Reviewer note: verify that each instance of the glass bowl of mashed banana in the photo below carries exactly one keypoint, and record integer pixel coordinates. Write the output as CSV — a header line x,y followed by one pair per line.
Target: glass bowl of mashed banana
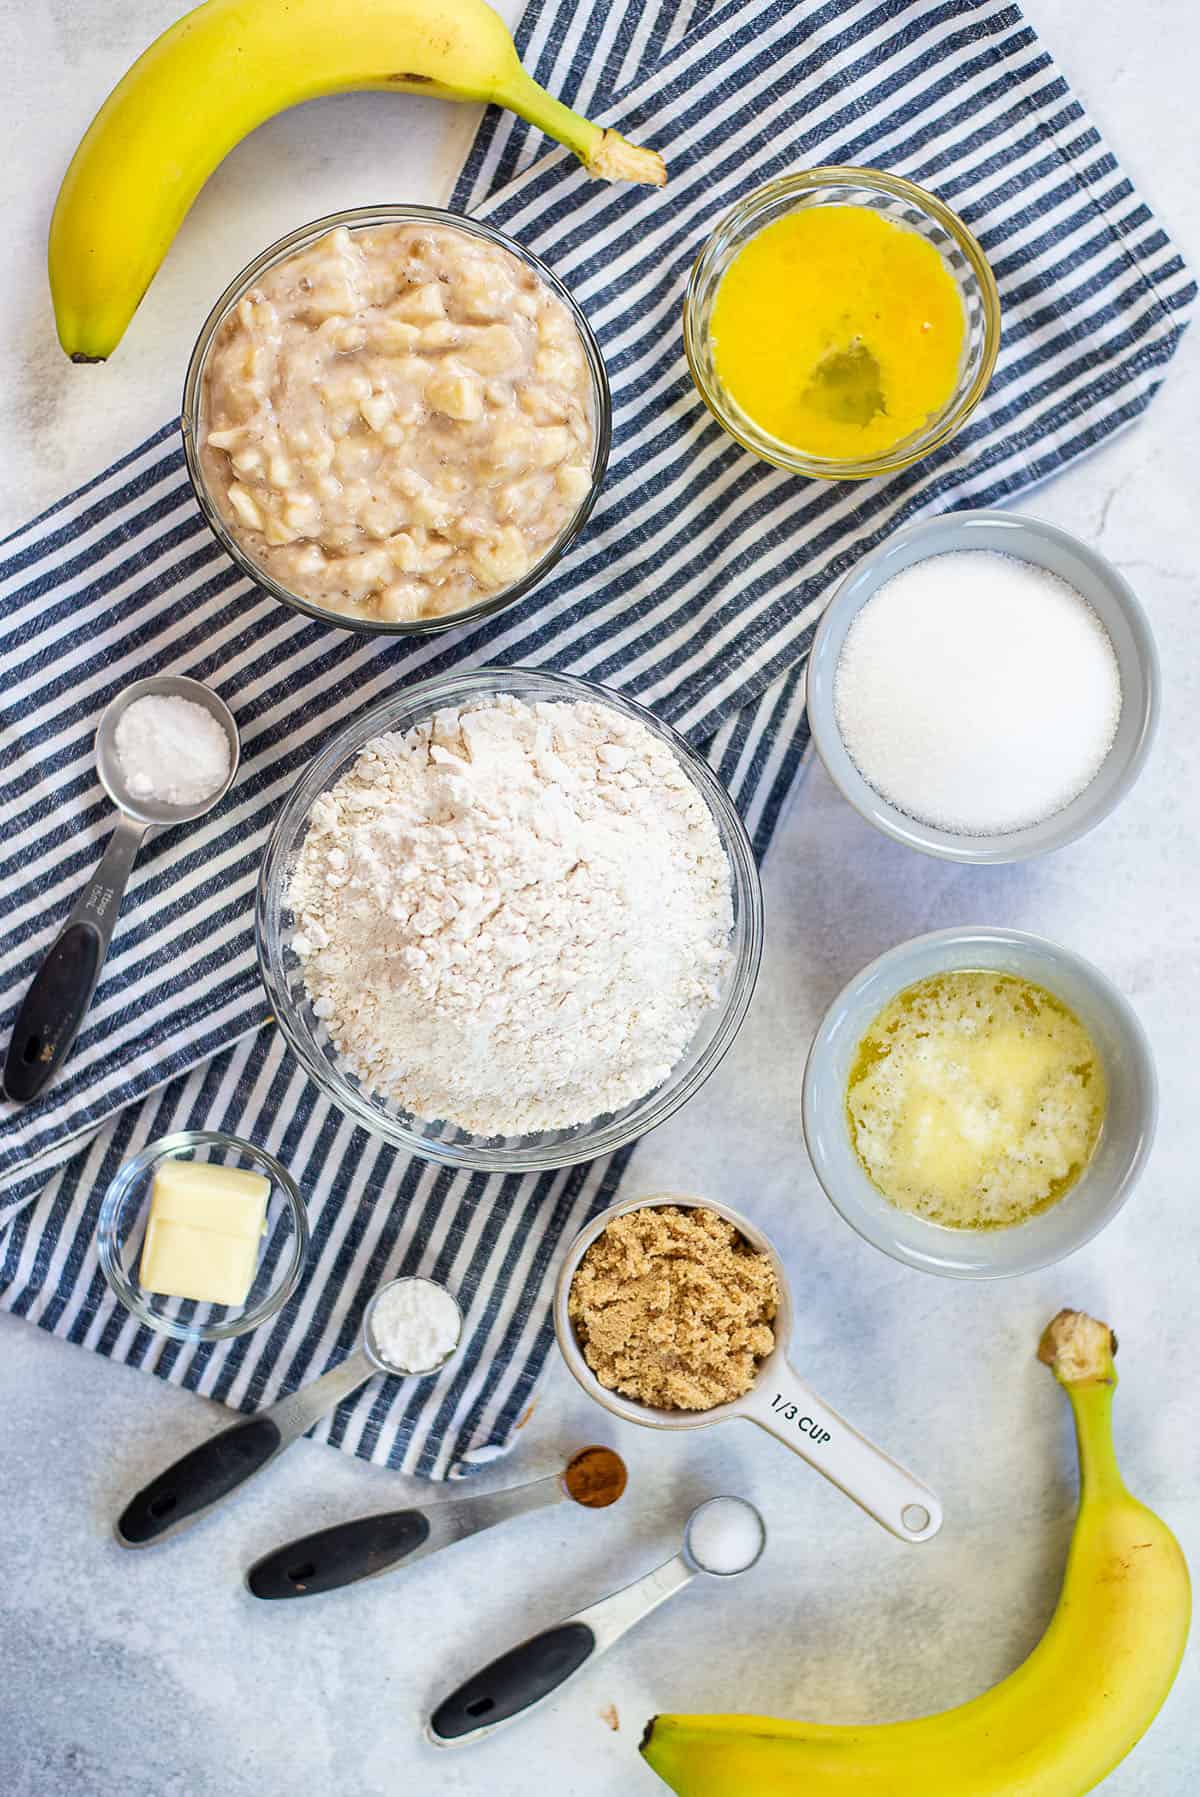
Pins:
x,y
396,420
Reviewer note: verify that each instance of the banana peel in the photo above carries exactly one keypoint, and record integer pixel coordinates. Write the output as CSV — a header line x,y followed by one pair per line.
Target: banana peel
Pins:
x,y
1057,1725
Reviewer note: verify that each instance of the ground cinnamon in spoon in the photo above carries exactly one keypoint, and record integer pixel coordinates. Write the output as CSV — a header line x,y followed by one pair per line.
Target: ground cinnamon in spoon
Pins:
x,y
673,1307
595,1477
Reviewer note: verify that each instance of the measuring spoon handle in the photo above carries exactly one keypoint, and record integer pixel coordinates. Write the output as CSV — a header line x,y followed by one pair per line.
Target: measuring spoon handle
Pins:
x,y
191,1486
60,992
368,1546
787,1408
529,1674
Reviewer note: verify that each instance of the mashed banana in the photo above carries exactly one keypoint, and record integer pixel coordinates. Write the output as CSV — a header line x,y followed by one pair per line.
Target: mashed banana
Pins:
x,y
397,421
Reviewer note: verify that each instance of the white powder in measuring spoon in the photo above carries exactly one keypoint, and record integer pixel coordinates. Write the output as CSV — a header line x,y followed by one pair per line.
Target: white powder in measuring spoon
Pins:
x,y
171,750
977,693
725,1535
415,1325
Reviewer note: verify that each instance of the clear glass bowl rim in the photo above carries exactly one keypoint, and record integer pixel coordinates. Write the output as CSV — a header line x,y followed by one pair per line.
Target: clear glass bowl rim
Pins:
x,y
771,449
417,701
178,1146
358,218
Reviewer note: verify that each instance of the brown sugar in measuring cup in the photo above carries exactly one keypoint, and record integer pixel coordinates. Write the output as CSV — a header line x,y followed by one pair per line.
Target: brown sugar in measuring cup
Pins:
x,y
777,1401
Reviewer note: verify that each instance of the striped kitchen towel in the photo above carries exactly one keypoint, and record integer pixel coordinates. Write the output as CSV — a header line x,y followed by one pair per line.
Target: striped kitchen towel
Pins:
x,y
374,1214
699,580
695,589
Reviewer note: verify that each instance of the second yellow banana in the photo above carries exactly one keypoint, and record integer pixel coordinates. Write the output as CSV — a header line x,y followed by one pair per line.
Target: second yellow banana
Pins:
x,y
1059,1724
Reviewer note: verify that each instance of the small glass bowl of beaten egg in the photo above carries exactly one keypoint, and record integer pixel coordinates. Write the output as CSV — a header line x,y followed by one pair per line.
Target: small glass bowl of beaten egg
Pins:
x,y
979,1102
841,323
187,1234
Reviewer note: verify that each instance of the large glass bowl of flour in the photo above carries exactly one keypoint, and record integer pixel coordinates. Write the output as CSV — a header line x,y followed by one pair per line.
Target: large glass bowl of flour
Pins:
x,y
283,969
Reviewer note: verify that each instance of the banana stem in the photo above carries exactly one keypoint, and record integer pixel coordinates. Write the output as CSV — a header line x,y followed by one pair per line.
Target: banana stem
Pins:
x,y
602,152
1099,1475
1080,1352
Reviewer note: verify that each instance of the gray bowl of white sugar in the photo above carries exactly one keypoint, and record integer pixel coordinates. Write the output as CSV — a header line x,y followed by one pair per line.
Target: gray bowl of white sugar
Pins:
x,y
983,687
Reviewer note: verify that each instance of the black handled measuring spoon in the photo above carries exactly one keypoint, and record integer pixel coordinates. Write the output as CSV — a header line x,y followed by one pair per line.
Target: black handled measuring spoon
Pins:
x,y
190,1487
530,1674
54,1007
370,1545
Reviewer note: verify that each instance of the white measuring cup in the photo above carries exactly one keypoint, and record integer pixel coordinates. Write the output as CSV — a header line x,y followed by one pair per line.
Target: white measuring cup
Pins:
x,y
779,1401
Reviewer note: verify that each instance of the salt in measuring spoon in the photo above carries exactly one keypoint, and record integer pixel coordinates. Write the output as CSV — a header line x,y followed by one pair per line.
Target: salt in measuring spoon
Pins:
x,y
368,1546
723,1538
191,1487
61,990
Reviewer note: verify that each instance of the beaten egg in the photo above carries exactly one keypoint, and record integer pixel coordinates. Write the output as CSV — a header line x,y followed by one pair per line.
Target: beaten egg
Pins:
x,y
838,331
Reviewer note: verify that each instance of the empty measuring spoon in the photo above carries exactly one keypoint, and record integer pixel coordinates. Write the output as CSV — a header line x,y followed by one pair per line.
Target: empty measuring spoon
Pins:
x,y
189,1488
371,1545
60,992
723,1538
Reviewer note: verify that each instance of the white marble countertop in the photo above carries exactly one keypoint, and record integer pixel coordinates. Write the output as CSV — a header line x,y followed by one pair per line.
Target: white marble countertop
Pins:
x,y
156,1675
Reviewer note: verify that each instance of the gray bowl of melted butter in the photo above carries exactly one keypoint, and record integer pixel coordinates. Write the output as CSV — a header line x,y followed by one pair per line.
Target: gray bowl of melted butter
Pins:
x,y
1000,1248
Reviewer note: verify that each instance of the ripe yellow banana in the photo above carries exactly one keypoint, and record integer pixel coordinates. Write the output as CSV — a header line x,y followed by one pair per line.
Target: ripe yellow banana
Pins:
x,y
221,71
1058,1724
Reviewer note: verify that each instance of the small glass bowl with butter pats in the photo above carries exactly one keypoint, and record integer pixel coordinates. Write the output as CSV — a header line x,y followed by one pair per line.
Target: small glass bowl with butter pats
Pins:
x,y
396,420
206,1213
509,920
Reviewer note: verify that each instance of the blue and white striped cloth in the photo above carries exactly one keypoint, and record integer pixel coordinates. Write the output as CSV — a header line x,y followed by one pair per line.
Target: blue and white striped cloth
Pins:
x,y
695,589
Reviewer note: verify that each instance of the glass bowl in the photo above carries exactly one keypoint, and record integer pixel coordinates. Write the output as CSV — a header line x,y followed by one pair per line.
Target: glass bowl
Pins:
x,y
192,416
1101,1189
1042,545
282,972
906,205
125,1210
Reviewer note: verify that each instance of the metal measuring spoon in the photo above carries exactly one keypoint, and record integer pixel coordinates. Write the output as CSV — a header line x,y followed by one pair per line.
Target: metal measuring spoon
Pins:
x,y
57,1001
371,1545
527,1675
191,1487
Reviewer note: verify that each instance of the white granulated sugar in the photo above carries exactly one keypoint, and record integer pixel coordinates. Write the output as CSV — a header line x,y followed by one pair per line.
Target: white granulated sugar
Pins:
x,y
513,917
171,750
415,1324
977,693
725,1535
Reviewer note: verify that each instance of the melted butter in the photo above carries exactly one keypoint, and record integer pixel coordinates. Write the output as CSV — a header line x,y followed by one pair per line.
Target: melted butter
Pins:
x,y
975,1099
838,331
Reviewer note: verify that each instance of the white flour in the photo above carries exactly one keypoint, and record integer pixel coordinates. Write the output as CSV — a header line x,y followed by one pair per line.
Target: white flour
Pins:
x,y
513,917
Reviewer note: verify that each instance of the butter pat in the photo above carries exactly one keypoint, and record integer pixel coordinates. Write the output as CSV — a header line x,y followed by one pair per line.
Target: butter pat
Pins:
x,y
203,1233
